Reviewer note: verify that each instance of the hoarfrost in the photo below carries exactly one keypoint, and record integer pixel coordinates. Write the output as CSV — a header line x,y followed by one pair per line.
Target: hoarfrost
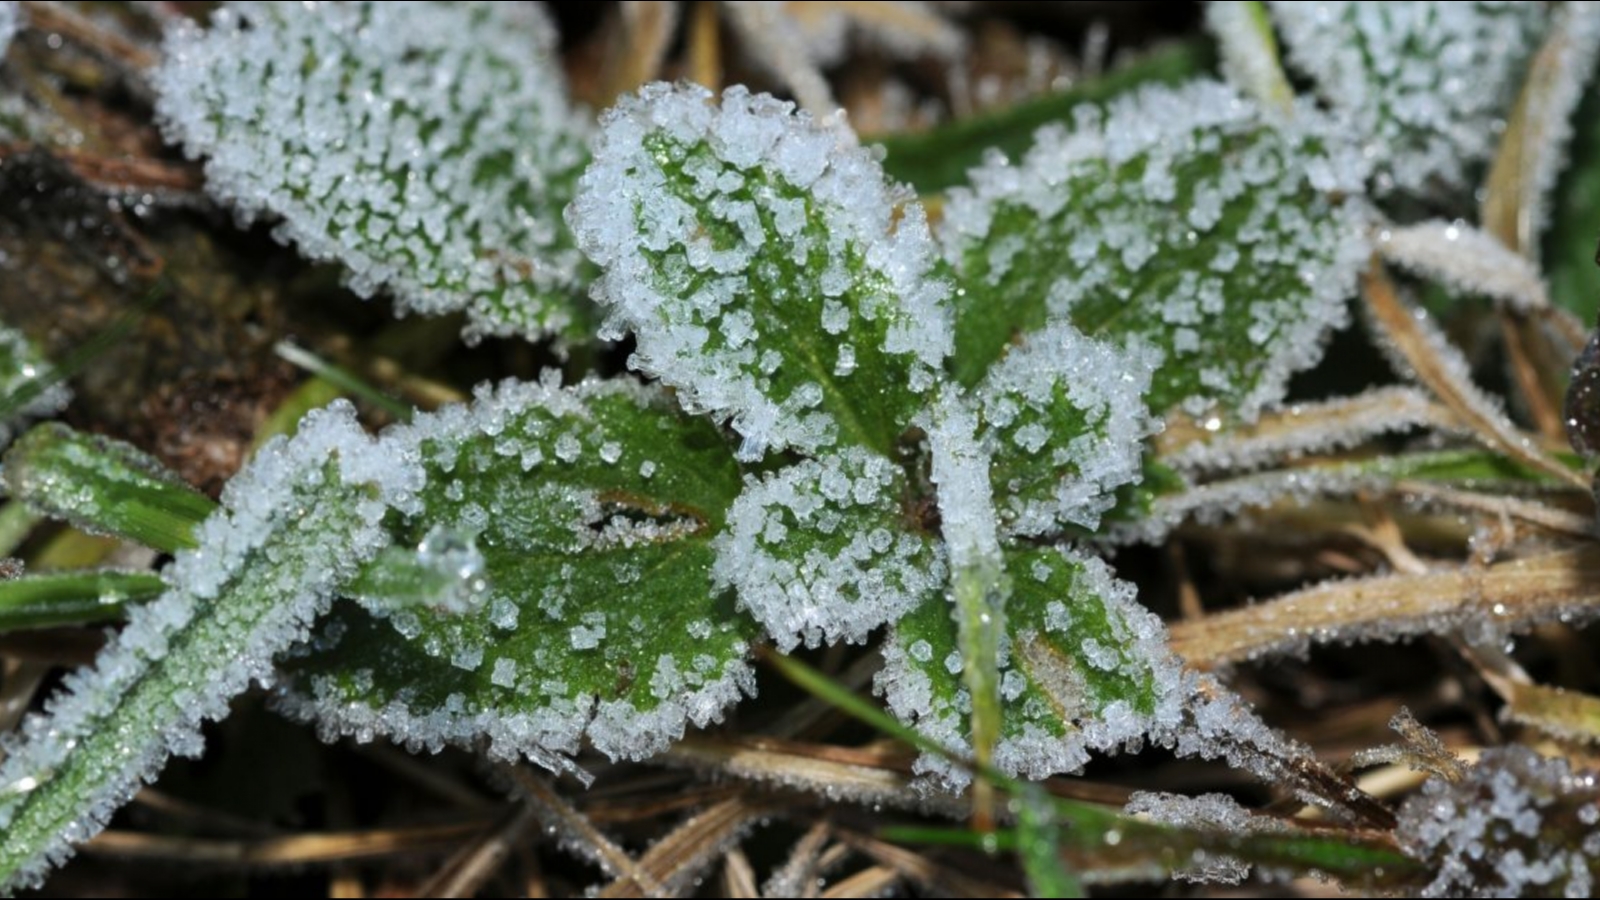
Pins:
x,y
596,577
263,570
1466,260
1304,428
25,375
428,147
1186,219
1249,51
1065,419
1517,825
10,24
816,552
736,239
1422,86
1058,708
1215,812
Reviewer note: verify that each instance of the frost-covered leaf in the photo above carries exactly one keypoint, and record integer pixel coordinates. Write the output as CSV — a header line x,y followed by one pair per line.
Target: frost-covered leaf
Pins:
x,y
823,551
1421,86
10,24
293,525
29,385
584,519
1185,219
1083,667
103,486
761,262
1518,825
1064,418
429,147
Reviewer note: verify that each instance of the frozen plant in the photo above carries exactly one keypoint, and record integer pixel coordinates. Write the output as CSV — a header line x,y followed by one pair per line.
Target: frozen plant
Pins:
x,y
848,421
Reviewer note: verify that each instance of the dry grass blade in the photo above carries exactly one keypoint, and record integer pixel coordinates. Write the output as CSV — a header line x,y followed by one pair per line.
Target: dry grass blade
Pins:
x,y
798,876
57,19
1547,518
1303,428
765,31
875,881
1420,347
937,879
473,865
1560,713
867,777
676,860
578,834
704,52
905,24
639,45
738,876
288,851
1506,595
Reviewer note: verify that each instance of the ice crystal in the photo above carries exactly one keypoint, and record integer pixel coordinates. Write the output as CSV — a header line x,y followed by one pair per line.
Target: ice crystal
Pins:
x,y
1466,260
429,147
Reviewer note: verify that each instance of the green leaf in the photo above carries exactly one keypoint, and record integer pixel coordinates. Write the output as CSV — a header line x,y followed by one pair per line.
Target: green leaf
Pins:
x,y
824,550
103,486
1184,220
72,598
938,159
1064,419
29,385
583,518
1423,87
293,525
445,191
760,261
1082,667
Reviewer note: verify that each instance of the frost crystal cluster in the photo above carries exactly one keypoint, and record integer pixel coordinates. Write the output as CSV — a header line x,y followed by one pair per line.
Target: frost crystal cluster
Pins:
x,y
335,120
1517,825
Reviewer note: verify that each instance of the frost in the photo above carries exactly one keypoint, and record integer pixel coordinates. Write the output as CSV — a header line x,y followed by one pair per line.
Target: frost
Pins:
x,y
817,551
796,40
1248,50
1467,261
10,24
263,570
1422,86
428,147
599,568
29,386
1517,825
737,240
1064,418
1305,428
1184,219
1217,812
1059,704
